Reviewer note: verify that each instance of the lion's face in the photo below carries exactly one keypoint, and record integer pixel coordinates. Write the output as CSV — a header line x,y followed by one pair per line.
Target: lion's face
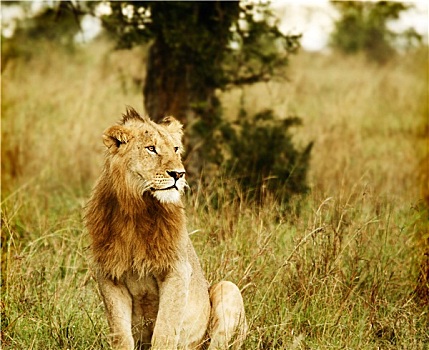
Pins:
x,y
146,157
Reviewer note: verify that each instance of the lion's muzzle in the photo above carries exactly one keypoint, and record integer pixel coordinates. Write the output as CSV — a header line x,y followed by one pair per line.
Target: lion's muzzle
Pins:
x,y
176,175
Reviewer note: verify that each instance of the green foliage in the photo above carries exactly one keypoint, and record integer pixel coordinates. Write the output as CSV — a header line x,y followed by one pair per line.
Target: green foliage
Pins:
x,y
260,46
57,25
199,34
258,152
362,27
263,157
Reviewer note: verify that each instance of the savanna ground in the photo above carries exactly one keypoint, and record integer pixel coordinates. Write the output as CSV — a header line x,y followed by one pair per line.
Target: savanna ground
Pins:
x,y
336,270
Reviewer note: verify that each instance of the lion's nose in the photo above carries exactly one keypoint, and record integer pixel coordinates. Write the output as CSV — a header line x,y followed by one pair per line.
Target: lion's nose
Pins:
x,y
176,174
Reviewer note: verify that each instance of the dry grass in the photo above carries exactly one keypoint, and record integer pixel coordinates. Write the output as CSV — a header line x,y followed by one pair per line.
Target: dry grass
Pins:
x,y
337,269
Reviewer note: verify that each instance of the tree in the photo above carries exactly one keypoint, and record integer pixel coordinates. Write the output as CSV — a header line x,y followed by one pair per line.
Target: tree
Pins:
x,y
362,27
196,48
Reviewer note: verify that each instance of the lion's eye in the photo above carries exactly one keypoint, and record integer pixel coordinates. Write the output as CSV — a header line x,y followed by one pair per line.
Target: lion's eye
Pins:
x,y
176,149
151,149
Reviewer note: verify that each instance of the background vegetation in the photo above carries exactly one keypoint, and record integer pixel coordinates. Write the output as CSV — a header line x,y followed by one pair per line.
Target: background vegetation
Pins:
x,y
363,27
338,268
195,49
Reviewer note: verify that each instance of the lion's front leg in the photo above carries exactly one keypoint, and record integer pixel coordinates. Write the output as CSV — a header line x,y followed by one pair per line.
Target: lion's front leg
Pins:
x,y
173,298
118,303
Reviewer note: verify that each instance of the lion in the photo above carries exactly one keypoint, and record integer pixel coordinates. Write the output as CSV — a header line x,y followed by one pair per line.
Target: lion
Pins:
x,y
148,273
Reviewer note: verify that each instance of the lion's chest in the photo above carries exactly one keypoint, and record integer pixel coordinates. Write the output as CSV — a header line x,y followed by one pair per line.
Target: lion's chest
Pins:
x,y
144,290
144,240
155,246
145,295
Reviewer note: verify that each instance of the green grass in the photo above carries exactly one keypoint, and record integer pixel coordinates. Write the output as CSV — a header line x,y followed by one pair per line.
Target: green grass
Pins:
x,y
335,270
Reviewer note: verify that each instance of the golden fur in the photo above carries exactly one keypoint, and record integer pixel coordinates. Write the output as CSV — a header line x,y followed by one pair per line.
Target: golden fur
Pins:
x,y
148,273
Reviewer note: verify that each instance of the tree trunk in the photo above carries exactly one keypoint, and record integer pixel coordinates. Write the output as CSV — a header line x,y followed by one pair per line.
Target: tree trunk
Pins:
x,y
165,90
185,67
168,90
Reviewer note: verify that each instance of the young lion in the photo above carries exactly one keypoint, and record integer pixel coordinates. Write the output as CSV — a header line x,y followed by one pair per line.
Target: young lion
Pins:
x,y
149,276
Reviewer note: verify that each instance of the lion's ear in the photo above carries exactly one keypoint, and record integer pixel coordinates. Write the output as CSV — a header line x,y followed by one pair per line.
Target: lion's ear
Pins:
x,y
115,136
172,125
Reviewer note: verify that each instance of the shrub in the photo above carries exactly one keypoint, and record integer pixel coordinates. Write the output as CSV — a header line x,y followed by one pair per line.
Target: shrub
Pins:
x,y
263,157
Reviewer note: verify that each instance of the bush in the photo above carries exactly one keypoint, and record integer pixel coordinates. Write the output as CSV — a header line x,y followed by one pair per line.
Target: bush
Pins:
x,y
263,157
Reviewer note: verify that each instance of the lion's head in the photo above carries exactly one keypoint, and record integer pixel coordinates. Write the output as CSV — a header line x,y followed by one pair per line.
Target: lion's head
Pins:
x,y
145,157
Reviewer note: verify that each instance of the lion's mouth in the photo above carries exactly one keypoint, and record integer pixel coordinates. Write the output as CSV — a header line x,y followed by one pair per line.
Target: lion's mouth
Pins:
x,y
174,187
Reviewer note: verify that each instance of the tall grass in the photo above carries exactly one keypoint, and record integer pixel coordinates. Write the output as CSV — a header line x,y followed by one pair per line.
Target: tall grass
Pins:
x,y
336,269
